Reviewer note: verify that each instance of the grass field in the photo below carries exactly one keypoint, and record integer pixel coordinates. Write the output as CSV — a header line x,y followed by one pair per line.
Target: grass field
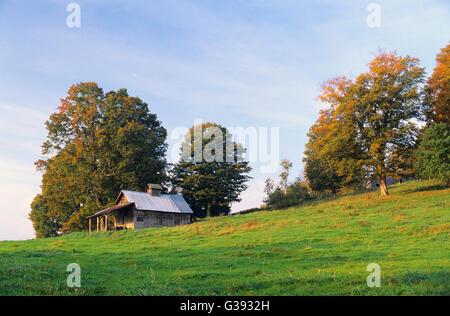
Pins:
x,y
320,248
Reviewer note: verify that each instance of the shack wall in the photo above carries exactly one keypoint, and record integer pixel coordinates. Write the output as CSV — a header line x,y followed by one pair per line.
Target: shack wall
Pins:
x,y
150,219
125,219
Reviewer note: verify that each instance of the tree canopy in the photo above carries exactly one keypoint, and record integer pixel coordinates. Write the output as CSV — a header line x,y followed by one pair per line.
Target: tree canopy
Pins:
x,y
97,144
331,156
212,172
433,154
369,130
437,90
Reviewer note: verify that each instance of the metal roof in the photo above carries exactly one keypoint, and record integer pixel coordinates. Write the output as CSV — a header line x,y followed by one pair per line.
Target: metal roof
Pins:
x,y
111,209
170,203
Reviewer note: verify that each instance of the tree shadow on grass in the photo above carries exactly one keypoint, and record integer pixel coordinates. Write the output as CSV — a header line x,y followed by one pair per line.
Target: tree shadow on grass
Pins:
x,y
436,187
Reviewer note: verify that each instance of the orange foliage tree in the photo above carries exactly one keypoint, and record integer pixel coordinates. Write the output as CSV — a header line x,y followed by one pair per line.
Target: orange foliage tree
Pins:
x,y
437,91
369,131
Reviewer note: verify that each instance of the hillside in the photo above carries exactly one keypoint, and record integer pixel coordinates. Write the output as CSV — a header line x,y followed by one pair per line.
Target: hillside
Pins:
x,y
320,248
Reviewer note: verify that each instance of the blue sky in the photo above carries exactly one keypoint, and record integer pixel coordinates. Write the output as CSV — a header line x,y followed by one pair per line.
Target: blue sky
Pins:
x,y
236,62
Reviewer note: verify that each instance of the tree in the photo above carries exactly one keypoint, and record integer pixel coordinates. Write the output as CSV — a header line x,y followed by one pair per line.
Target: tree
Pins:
x,y
328,167
374,115
285,195
277,198
437,90
321,177
433,154
43,225
211,172
97,144
269,186
287,166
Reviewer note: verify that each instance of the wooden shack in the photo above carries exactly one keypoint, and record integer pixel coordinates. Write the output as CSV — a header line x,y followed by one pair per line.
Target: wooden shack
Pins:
x,y
138,210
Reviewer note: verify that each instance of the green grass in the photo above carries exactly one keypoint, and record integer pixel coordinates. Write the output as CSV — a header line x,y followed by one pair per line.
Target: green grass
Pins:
x,y
320,248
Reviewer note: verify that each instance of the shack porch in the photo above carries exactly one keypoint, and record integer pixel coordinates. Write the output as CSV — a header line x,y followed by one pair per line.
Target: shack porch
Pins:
x,y
118,217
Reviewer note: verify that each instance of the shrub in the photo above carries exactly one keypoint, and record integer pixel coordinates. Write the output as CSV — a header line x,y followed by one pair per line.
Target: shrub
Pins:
x,y
296,194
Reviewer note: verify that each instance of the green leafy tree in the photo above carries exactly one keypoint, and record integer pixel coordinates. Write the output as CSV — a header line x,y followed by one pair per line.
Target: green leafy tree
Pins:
x,y
321,177
43,224
97,144
433,154
212,172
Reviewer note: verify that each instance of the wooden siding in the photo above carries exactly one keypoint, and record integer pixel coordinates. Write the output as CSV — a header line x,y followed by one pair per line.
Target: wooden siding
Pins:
x,y
123,200
149,219
125,219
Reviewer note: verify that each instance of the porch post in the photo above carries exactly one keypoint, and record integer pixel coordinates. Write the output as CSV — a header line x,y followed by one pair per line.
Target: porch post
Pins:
x,y
90,225
98,224
106,223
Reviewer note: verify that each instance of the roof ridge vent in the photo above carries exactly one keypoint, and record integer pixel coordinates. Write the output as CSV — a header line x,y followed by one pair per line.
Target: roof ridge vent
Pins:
x,y
154,189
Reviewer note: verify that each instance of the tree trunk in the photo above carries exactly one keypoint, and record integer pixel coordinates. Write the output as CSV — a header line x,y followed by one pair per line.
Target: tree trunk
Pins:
x,y
383,186
208,210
